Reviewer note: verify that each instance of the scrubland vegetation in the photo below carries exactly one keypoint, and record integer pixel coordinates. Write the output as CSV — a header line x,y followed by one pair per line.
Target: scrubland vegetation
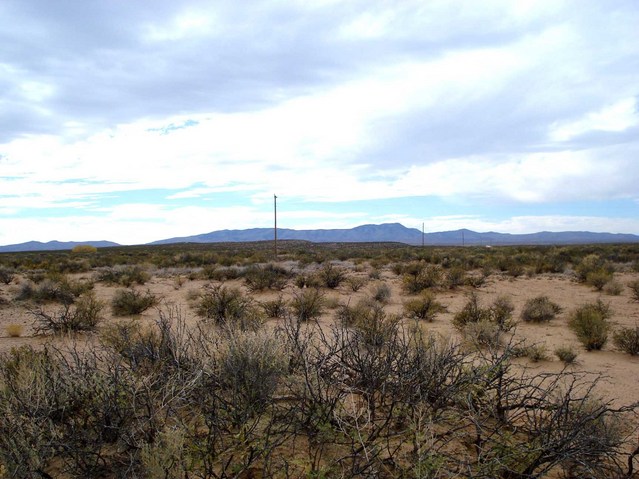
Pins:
x,y
372,360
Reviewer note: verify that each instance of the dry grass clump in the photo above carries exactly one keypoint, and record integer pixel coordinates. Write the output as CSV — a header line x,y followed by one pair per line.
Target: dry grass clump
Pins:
x,y
540,309
613,288
355,283
275,308
14,330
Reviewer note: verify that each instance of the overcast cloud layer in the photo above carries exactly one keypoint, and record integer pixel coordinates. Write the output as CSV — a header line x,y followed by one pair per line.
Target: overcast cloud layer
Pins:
x,y
136,121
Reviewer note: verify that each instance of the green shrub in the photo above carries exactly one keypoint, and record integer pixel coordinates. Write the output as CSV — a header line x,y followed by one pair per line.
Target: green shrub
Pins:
x,y
589,324
627,340
483,334
455,277
308,304
127,302
540,309
425,307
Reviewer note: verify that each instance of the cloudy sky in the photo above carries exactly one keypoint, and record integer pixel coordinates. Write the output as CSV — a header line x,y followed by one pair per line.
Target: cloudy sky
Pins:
x,y
134,121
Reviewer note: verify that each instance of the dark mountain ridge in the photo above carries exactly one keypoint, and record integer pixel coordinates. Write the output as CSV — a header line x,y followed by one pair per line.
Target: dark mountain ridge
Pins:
x,y
388,232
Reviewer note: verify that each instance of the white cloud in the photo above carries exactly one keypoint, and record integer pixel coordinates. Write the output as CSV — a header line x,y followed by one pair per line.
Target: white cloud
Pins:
x,y
616,117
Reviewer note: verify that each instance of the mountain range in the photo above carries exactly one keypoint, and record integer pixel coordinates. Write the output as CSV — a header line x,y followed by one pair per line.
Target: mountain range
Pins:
x,y
389,232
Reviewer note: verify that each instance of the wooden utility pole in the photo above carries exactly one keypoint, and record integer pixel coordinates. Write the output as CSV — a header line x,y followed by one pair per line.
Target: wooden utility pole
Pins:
x,y
275,228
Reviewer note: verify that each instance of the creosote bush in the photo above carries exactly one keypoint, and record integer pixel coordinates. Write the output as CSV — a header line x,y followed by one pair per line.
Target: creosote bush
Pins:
x,y
424,307
6,274
627,340
83,316
123,275
126,302
566,354
307,304
540,309
634,289
270,276
229,306
589,323
331,276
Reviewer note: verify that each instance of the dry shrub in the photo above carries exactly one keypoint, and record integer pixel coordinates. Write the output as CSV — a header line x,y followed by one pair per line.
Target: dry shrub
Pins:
x,y
613,288
482,334
424,307
308,304
259,278
6,274
627,340
381,293
126,302
566,354
84,316
229,306
275,308
355,283
14,331
332,276
634,289
540,309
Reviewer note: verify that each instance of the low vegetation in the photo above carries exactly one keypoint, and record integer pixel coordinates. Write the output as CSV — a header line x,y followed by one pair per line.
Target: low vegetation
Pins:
x,y
540,309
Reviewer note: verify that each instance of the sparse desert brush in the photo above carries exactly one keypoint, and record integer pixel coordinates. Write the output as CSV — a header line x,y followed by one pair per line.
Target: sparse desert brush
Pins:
x,y
537,353
227,306
634,289
84,249
455,277
424,307
590,264
259,278
421,276
566,354
126,302
123,275
589,323
307,304
355,283
472,312
381,293
540,309
598,278
307,280
627,340
83,316
14,330
482,334
613,288
332,276
501,312
6,274
275,308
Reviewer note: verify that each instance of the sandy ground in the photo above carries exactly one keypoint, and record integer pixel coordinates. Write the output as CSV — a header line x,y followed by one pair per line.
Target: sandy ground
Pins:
x,y
620,370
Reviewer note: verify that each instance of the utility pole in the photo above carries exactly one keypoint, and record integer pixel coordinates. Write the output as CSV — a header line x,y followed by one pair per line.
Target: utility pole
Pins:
x,y
275,228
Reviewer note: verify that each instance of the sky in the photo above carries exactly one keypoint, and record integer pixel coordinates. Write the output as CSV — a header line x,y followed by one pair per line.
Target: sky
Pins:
x,y
135,121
